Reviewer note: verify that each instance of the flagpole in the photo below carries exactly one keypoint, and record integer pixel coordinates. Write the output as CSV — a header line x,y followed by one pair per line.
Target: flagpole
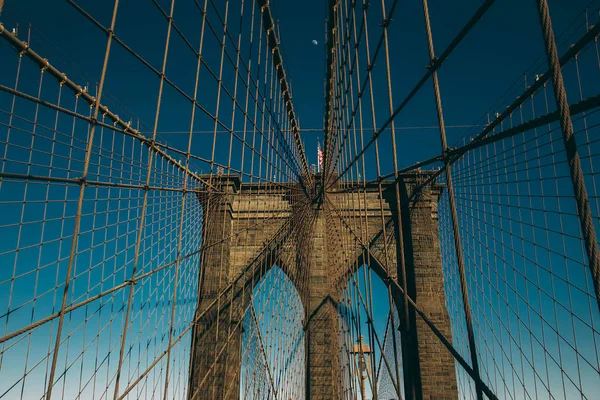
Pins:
x,y
319,156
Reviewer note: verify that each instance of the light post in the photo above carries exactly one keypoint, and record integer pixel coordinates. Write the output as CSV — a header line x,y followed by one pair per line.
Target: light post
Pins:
x,y
363,353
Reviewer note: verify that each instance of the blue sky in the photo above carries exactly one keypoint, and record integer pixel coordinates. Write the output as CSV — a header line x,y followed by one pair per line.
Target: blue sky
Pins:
x,y
499,50
482,76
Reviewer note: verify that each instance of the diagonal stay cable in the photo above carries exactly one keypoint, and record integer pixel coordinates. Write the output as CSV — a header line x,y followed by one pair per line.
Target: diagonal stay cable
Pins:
x,y
400,290
456,153
24,48
251,269
484,137
262,348
273,43
430,70
134,280
168,81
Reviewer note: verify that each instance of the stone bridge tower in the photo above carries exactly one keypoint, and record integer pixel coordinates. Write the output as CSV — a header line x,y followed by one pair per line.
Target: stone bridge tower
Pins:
x,y
249,228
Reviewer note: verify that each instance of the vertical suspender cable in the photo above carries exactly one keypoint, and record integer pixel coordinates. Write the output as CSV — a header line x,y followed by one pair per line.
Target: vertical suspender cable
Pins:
x,y
453,212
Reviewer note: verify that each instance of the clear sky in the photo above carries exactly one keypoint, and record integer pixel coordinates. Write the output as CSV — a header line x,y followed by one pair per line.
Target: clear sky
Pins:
x,y
501,48
481,77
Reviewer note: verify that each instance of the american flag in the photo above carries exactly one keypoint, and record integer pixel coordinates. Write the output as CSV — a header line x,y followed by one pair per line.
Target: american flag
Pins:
x,y
319,156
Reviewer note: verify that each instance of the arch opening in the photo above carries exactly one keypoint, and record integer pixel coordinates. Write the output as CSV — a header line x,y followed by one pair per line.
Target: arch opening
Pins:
x,y
370,345
273,340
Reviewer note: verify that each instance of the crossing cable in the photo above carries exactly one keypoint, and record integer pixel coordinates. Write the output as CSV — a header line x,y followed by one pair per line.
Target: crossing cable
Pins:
x,y
258,95
484,137
273,43
370,322
251,268
566,124
349,69
29,166
332,41
368,308
400,290
262,346
263,260
232,386
76,228
167,80
566,36
453,214
496,248
272,166
78,90
346,243
295,226
142,221
378,163
432,68
400,234
256,321
455,153
222,264
499,255
342,151
342,120
74,306
183,197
